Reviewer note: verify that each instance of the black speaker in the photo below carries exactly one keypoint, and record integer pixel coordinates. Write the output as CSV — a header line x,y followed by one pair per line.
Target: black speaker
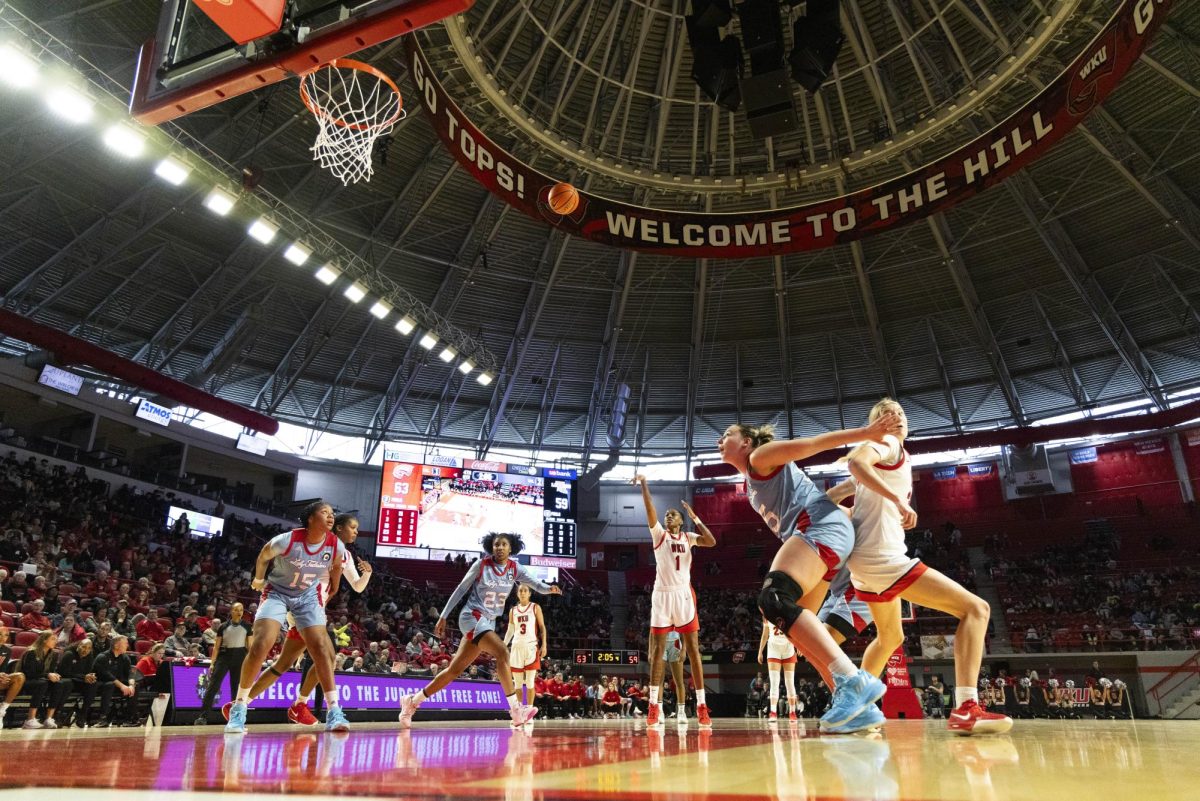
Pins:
x,y
716,68
762,34
710,13
770,108
818,39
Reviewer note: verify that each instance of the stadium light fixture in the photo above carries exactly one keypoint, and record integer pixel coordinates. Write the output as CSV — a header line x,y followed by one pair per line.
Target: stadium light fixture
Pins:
x,y
17,69
327,274
428,341
219,202
263,230
447,355
172,170
466,366
297,254
355,292
381,309
484,378
124,141
71,104
405,325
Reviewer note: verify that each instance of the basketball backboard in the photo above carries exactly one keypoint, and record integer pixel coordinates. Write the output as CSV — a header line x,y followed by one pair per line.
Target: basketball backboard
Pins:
x,y
191,63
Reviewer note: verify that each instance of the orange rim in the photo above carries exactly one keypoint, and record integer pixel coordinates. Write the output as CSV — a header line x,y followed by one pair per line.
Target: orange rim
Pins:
x,y
349,63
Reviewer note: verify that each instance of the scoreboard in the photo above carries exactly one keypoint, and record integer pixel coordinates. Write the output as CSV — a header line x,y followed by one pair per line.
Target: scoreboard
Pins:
x,y
604,656
558,517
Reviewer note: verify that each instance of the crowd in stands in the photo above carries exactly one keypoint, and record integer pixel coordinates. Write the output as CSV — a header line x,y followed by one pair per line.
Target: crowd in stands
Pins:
x,y
1079,597
84,564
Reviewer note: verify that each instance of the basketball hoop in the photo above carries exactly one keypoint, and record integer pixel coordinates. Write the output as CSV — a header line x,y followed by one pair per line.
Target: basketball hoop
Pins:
x,y
354,104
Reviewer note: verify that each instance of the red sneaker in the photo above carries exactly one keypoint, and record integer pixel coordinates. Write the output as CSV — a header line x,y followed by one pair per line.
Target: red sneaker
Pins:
x,y
702,713
654,717
225,710
971,718
772,718
300,713
792,717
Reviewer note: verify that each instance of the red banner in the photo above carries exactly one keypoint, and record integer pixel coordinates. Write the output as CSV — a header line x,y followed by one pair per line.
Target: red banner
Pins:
x,y
990,158
896,672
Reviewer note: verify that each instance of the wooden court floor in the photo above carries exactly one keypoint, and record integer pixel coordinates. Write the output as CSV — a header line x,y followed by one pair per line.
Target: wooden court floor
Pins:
x,y
739,760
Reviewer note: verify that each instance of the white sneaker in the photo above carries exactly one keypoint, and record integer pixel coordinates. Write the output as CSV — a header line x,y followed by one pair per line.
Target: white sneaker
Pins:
x,y
682,718
49,724
408,708
522,715
32,723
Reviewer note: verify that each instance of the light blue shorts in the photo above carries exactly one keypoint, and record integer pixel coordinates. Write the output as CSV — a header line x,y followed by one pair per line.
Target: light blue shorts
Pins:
x,y
674,650
833,539
306,609
474,625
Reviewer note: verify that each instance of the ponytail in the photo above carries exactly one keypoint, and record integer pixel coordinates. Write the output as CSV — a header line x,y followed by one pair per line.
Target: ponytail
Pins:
x,y
758,435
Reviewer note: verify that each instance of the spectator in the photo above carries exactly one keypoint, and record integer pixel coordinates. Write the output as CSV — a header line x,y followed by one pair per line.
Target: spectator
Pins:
x,y
123,624
69,632
148,665
149,628
78,676
10,683
177,643
209,637
114,674
34,620
39,665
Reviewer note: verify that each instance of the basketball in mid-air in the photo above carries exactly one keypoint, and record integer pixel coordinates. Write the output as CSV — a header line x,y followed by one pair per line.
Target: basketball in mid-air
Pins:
x,y
563,198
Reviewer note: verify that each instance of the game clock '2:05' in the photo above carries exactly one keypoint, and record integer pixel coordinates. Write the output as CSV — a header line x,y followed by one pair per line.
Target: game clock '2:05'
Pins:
x,y
607,657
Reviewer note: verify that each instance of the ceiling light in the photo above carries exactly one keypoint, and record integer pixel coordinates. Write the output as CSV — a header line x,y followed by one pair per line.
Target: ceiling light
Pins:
x,y
484,378
263,230
125,141
428,341
381,309
17,69
327,274
219,201
355,292
406,324
71,104
466,366
297,254
172,170
448,353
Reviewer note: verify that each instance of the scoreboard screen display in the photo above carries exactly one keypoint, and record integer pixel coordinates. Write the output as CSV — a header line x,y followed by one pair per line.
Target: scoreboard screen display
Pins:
x,y
452,505
604,656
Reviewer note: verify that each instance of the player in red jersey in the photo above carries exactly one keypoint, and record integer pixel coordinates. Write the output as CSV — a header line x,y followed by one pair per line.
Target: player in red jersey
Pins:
x,y
673,602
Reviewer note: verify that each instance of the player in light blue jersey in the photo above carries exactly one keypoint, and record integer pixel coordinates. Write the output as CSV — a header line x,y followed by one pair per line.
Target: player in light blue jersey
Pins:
x,y
817,539
299,563
486,587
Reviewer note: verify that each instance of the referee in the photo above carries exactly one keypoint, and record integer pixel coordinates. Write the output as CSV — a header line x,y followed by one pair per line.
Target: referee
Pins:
x,y
229,651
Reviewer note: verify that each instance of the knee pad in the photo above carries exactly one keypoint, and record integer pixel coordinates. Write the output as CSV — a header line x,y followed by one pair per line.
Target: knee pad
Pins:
x,y
779,600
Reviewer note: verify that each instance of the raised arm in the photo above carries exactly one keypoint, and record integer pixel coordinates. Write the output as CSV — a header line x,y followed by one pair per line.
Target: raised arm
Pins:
x,y
651,514
525,577
460,591
705,538
766,458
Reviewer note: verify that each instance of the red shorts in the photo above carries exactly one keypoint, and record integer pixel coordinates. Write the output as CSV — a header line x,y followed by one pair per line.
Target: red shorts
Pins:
x,y
791,660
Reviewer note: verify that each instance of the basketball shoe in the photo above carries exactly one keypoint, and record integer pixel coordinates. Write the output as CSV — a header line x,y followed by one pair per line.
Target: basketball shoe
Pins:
x,y
335,719
654,717
971,718
225,709
522,715
773,717
852,694
300,713
870,718
702,714
237,720
408,708
681,717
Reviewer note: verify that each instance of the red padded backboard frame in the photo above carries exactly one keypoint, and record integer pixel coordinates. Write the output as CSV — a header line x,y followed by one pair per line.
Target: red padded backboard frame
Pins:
x,y
152,107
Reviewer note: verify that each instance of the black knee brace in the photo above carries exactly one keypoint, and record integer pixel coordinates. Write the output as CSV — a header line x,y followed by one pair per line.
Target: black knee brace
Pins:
x,y
779,600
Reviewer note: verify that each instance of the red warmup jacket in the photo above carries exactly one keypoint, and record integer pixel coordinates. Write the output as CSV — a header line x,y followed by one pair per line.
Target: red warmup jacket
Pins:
x,y
539,686
611,697
577,689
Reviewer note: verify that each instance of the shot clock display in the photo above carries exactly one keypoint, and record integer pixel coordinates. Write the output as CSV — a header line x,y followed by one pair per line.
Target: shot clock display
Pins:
x,y
449,504
598,656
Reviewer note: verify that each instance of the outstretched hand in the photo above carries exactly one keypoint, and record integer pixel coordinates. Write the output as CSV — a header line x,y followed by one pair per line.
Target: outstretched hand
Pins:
x,y
555,589
886,423
639,479
691,512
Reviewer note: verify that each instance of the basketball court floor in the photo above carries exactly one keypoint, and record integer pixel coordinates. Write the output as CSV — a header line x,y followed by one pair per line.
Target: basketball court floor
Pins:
x,y
739,759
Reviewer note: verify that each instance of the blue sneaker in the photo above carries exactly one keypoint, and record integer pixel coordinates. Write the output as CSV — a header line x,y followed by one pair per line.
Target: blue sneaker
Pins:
x,y
335,720
850,697
869,718
237,720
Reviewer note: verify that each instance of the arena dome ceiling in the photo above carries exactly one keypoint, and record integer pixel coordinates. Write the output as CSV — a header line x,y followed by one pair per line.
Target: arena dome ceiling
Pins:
x,y
1074,284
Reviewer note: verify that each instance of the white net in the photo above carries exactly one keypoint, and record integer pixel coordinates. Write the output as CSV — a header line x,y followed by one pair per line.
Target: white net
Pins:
x,y
354,105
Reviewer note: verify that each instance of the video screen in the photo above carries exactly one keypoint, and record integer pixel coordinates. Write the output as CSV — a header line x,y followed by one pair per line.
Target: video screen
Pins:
x,y
200,525
450,507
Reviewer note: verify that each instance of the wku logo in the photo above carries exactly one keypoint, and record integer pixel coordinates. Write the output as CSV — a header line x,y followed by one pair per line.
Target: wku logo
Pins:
x,y
1098,64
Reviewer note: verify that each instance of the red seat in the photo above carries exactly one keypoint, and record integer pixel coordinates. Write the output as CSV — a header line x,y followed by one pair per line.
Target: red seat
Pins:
x,y
17,652
26,637
8,606
144,646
